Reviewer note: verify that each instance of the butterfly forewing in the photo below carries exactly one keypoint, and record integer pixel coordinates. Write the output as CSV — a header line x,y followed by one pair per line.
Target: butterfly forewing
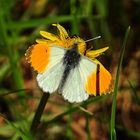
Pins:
x,y
50,79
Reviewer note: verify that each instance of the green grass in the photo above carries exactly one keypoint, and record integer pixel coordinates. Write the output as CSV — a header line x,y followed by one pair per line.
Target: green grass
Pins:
x,y
7,45
113,112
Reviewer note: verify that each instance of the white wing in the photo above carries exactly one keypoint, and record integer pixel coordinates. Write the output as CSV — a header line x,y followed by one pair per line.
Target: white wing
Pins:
x,y
50,79
74,88
86,67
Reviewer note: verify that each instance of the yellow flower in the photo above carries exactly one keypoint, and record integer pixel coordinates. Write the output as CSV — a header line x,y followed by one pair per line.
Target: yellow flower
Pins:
x,y
64,40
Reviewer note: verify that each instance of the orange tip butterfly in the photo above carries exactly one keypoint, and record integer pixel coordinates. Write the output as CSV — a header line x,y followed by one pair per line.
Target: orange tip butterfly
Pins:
x,y
68,71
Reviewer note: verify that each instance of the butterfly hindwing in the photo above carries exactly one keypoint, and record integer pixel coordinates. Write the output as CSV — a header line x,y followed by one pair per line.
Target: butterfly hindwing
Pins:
x,y
102,81
97,78
86,67
73,89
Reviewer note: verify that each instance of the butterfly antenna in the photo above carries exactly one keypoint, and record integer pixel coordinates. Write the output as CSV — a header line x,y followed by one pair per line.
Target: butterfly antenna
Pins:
x,y
93,39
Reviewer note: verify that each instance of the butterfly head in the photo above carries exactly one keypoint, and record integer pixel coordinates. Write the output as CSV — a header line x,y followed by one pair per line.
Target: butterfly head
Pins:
x,y
78,44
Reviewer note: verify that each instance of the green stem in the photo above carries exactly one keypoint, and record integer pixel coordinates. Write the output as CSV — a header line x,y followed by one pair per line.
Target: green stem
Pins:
x,y
39,112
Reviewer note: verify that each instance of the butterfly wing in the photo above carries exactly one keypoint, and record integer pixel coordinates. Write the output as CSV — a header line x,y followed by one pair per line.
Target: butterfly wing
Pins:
x,y
87,78
47,61
73,89
97,79
38,56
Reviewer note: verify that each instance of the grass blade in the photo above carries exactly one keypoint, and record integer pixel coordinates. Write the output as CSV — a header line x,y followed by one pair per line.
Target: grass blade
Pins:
x,y
113,111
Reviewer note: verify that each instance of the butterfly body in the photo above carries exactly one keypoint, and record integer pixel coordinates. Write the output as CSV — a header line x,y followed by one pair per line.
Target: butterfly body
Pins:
x,y
70,60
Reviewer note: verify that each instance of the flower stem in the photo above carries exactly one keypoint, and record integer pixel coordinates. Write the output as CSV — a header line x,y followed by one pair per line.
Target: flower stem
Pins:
x,y
39,112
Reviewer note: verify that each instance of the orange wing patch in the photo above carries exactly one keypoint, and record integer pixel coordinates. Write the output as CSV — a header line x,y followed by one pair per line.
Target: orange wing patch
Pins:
x,y
38,56
99,82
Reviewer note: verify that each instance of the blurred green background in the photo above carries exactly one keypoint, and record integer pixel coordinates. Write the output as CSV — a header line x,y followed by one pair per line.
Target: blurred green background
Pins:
x,y
20,23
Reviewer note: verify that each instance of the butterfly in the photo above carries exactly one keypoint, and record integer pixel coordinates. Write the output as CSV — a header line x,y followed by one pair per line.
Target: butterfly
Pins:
x,y
66,69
